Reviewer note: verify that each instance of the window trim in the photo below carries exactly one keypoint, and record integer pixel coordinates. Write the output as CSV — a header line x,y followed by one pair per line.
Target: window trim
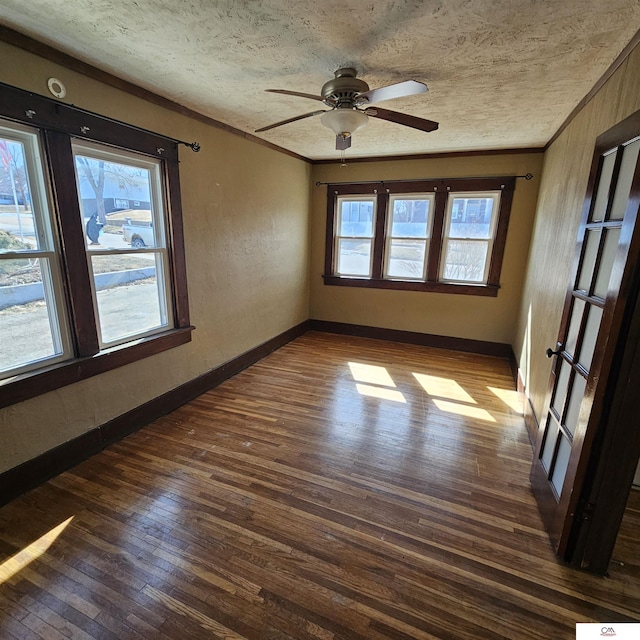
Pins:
x,y
58,123
441,188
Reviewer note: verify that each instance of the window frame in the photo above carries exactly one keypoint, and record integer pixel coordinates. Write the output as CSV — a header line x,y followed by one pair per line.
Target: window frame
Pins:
x,y
441,188
59,123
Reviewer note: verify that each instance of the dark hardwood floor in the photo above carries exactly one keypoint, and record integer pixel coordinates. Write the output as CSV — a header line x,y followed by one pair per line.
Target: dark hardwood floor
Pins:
x,y
340,489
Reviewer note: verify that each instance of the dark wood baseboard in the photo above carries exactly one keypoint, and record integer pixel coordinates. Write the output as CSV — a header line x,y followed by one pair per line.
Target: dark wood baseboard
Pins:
x,y
481,347
30,474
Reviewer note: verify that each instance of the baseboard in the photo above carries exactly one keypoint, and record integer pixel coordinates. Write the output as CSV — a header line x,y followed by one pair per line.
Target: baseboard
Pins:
x,y
30,474
467,345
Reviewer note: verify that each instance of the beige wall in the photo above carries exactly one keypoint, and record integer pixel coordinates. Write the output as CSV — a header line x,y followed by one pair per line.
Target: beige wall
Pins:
x,y
563,187
246,224
475,317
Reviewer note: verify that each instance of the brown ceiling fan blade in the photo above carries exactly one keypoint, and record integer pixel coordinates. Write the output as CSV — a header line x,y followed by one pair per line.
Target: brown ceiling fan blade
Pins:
x,y
296,93
343,143
403,118
288,120
399,90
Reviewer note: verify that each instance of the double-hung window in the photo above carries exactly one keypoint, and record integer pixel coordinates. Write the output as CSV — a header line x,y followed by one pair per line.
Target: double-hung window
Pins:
x,y
92,268
443,235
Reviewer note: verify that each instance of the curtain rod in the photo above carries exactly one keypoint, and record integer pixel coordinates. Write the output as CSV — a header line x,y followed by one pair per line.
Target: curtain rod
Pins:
x,y
526,176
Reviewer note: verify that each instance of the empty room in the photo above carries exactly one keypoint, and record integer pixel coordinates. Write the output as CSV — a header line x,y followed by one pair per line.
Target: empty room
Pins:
x,y
319,320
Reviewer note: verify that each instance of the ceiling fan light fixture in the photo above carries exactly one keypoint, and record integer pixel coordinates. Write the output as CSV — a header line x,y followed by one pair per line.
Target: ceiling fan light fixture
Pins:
x,y
343,122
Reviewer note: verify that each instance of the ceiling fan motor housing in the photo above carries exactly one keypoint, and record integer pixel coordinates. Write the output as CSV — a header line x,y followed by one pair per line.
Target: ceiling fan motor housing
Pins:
x,y
344,88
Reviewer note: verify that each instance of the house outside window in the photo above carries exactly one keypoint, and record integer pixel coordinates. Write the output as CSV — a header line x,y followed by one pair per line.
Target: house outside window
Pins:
x,y
445,235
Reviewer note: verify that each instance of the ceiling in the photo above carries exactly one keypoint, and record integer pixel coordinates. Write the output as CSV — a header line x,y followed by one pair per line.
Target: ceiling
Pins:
x,y
501,73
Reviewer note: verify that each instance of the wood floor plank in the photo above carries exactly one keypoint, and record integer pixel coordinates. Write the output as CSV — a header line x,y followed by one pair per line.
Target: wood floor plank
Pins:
x,y
340,489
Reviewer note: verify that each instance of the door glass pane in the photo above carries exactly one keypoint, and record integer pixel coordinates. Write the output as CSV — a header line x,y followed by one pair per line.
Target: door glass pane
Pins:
x,y
625,178
590,336
354,257
574,326
561,387
549,443
602,194
562,462
592,241
606,262
465,260
406,259
573,406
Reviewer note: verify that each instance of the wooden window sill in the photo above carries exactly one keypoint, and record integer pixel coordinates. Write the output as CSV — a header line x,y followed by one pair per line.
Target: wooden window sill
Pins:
x,y
489,290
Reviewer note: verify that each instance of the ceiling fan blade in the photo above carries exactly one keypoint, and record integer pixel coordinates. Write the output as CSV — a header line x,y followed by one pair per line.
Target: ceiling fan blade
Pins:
x,y
296,93
399,90
288,120
403,118
343,143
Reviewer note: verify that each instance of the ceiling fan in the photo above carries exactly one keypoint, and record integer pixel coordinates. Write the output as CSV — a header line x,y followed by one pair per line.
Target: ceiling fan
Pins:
x,y
348,98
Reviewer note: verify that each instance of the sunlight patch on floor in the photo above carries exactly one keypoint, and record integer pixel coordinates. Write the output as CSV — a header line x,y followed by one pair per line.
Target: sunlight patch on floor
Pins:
x,y
20,560
443,388
371,374
463,410
380,392
509,397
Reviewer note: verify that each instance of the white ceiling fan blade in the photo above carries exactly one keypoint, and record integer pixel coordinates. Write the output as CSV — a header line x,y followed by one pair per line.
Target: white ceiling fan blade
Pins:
x,y
399,90
288,120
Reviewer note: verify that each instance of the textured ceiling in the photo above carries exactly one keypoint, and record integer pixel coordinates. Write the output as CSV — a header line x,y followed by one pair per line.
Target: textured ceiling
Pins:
x,y
501,73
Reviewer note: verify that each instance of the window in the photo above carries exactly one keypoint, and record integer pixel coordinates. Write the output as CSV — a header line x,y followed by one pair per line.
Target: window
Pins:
x,y
436,235
88,282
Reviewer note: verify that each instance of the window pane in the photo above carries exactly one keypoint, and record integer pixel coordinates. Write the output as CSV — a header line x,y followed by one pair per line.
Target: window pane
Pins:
x,y
356,218
28,319
406,259
131,298
354,257
116,203
465,260
409,218
471,218
16,212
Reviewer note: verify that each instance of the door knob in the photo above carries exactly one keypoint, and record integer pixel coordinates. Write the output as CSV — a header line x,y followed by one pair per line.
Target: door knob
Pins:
x,y
550,352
